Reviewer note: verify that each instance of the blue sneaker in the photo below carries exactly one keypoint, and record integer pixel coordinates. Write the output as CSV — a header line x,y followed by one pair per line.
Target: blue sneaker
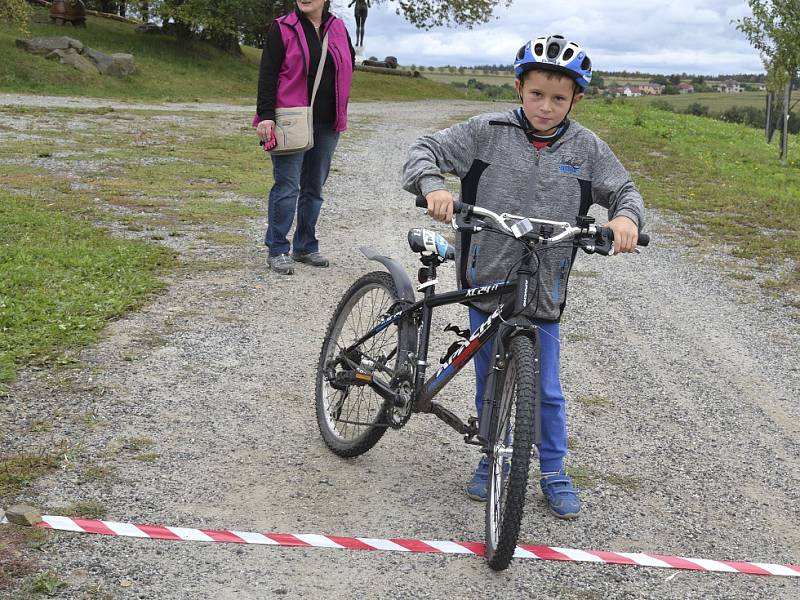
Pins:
x,y
561,495
476,488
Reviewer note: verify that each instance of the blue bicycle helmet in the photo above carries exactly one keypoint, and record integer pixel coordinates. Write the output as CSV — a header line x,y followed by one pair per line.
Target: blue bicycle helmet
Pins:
x,y
555,53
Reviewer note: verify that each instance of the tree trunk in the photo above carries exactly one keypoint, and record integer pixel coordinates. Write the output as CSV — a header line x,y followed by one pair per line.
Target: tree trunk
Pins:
x,y
787,97
768,128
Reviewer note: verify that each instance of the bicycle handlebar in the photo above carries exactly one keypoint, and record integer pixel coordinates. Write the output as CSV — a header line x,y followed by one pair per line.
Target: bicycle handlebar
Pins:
x,y
518,230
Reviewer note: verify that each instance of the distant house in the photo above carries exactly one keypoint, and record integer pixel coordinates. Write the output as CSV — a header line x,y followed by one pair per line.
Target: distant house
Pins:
x,y
685,88
632,90
652,89
730,87
623,90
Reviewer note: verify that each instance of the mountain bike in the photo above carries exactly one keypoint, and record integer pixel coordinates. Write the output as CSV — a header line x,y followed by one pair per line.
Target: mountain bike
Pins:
x,y
372,371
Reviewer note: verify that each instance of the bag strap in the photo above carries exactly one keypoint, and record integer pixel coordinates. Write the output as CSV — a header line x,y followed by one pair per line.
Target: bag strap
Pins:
x,y
320,66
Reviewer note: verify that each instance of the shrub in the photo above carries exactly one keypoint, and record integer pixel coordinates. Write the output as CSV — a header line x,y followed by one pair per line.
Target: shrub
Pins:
x,y
697,109
662,105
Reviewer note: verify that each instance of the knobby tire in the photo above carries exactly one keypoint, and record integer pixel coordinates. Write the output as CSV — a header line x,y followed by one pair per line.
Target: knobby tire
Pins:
x,y
515,394
363,306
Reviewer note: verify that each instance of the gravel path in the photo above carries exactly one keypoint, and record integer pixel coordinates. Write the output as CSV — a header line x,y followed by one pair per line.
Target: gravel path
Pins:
x,y
683,414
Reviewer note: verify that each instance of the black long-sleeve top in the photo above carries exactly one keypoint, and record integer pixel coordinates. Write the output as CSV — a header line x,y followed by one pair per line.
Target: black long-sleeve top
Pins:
x,y
272,58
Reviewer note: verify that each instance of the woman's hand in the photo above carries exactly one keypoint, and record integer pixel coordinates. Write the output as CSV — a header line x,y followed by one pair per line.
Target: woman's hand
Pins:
x,y
264,130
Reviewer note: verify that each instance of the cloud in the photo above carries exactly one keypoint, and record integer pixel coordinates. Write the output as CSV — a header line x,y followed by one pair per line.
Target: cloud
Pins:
x,y
661,36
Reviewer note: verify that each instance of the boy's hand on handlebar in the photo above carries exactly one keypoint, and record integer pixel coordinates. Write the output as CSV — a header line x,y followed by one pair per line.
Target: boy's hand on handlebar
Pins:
x,y
440,205
626,233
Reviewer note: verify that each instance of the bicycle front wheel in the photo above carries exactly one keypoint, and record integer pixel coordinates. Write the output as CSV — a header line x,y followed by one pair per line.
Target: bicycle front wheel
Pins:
x,y
351,415
512,428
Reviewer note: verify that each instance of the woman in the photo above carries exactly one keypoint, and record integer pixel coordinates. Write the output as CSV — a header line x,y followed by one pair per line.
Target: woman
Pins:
x,y
360,12
289,65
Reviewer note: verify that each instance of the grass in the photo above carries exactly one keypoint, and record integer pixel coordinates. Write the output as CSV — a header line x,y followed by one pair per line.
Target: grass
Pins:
x,y
180,182
18,470
167,70
716,102
136,444
47,583
63,279
722,178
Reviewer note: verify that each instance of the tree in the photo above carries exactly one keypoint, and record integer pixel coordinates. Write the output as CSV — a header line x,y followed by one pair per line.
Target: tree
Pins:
x,y
426,14
774,30
15,12
227,23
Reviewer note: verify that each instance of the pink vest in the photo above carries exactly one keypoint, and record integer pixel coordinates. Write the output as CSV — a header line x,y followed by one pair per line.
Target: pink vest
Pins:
x,y
293,81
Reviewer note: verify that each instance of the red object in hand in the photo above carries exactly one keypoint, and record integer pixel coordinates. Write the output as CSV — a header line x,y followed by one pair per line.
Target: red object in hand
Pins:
x,y
271,142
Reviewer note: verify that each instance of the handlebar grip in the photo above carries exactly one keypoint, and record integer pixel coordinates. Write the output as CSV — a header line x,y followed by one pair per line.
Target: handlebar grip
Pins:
x,y
643,240
423,203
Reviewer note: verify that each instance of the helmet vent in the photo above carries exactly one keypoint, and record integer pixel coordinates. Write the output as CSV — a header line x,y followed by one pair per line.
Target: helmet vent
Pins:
x,y
586,65
538,49
553,50
568,53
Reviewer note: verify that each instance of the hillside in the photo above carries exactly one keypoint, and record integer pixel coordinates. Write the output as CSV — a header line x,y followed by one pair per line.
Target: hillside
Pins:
x,y
167,70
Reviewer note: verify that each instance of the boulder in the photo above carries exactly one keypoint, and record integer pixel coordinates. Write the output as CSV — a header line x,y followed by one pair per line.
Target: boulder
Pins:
x,y
45,46
122,65
71,58
101,60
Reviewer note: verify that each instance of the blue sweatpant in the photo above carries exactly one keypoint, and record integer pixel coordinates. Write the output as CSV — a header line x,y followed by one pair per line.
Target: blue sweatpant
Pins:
x,y
553,447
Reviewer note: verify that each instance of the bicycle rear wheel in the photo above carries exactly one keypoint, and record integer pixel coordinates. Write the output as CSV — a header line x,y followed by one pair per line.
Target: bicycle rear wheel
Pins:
x,y
511,441
351,415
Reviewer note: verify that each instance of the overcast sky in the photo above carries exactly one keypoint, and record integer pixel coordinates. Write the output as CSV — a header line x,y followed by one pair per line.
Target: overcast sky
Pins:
x,y
655,36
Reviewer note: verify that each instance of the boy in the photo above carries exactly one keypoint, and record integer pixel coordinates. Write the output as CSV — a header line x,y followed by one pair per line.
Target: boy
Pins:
x,y
531,161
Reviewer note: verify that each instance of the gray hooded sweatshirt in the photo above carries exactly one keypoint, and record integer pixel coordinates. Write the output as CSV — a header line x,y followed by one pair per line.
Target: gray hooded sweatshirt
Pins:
x,y
502,171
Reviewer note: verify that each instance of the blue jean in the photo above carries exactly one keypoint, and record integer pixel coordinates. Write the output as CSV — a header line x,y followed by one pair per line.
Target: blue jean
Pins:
x,y
298,189
553,447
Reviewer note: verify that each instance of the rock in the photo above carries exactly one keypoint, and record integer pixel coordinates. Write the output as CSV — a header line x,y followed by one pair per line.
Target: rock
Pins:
x,y
149,28
45,46
122,65
2,515
101,60
71,58
21,514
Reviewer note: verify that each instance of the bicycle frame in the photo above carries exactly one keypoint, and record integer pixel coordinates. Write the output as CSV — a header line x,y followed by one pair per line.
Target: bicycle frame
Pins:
x,y
421,312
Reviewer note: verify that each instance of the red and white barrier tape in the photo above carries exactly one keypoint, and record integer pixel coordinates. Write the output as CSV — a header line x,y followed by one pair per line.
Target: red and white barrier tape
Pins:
x,y
409,545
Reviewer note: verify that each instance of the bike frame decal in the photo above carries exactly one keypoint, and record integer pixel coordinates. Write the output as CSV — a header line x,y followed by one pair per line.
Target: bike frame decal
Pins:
x,y
462,355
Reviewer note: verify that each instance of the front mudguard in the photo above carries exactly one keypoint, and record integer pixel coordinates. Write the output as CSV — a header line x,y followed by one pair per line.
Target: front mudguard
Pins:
x,y
401,280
